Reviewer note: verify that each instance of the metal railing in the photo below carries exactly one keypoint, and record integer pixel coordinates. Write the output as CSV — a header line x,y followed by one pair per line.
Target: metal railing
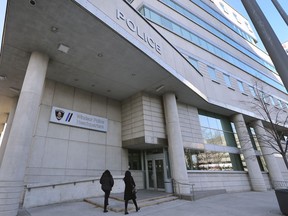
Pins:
x,y
180,189
280,184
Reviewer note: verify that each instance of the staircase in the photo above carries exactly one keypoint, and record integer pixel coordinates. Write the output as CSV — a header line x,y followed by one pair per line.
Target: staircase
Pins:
x,y
144,198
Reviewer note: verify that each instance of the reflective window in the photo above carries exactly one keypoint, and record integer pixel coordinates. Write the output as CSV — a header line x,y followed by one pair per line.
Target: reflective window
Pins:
x,y
279,103
240,85
208,46
227,80
252,91
212,73
134,160
212,161
272,100
194,62
217,131
219,34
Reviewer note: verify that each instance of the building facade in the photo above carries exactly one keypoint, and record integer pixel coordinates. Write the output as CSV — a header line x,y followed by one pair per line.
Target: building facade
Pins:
x,y
164,88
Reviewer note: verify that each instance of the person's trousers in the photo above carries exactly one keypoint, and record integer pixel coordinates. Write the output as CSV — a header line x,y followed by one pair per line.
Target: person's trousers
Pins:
x,y
107,194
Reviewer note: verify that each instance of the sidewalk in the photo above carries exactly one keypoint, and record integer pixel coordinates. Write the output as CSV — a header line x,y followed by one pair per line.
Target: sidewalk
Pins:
x,y
229,204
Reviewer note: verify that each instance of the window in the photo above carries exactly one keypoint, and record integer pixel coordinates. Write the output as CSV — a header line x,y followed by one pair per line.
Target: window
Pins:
x,y
279,104
212,73
134,160
224,8
240,85
216,130
236,17
264,97
252,90
194,62
227,80
272,100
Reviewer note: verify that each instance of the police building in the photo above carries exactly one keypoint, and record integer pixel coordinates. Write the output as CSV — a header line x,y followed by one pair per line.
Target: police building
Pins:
x,y
164,88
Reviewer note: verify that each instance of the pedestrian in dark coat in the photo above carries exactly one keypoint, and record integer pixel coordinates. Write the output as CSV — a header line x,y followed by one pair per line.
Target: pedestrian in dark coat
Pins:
x,y
107,183
130,192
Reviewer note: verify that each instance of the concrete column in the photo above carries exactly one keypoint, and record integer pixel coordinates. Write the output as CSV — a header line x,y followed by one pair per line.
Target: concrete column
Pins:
x,y
20,138
267,151
255,174
7,130
175,143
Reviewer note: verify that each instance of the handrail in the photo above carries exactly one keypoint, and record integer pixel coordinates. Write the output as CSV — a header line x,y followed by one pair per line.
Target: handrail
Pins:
x,y
280,184
33,186
177,191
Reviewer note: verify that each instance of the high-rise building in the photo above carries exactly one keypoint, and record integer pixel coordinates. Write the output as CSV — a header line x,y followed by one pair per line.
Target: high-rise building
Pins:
x,y
168,89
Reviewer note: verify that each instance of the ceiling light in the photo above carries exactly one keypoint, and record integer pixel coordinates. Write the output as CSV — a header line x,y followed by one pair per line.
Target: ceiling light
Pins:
x,y
159,88
54,29
3,77
100,55
63,48
14,90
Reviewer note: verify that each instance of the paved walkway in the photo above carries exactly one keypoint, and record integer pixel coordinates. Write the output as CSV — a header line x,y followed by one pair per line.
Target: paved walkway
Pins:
x,y
229,204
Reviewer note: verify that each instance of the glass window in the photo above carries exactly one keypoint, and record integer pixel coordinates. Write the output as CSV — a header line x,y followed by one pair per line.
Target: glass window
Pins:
x,y
212,73
212,161
227,80
194,62
279,102
271,100
134,160
252,91
241,86
217,131
224,8
236,17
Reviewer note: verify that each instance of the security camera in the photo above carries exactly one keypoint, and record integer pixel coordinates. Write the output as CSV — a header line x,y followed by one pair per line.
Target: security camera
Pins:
x,y
32,2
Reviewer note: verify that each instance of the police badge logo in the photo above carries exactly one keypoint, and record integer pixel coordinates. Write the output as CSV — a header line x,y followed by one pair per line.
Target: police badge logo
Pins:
x,y
59,114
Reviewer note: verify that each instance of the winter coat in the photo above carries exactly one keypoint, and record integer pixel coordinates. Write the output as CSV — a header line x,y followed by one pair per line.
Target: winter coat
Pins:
x,y
106,181
129,186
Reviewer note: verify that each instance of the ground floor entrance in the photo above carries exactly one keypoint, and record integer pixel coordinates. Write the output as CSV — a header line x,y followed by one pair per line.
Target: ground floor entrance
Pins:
x,y
157,169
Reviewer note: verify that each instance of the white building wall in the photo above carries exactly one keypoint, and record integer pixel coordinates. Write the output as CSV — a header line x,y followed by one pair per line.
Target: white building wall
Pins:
x,y
190,127
61,152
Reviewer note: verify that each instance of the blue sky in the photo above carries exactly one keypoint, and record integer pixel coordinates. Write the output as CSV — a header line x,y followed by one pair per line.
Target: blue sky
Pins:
x,y
275,20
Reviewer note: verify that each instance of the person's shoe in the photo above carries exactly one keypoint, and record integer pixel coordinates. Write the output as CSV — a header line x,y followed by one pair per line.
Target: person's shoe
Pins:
x,y
105,211
126,213
137,209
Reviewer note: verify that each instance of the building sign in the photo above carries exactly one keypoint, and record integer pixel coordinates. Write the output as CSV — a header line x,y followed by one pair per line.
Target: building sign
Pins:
x,y
77,119
136,30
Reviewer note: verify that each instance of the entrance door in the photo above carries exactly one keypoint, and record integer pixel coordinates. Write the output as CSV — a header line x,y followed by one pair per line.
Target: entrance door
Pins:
x,y
155,173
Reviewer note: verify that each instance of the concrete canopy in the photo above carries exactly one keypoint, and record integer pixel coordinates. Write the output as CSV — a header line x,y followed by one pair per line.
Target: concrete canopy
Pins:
x,y
99,59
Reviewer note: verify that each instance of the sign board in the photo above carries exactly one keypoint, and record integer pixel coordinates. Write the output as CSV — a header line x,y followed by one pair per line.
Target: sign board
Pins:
x,y
77,119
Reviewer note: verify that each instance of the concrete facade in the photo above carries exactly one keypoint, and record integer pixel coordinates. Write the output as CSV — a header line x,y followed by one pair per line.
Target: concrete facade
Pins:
x,y
171,92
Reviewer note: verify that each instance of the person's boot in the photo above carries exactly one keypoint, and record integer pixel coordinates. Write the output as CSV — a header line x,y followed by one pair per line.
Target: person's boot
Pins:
x,y
105,208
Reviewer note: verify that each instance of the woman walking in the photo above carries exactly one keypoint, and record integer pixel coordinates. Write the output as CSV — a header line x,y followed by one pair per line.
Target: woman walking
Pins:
x,y
107,183
130,191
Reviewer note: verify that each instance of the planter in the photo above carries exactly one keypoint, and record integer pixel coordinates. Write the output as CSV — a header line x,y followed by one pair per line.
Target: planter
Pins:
x,y
282,197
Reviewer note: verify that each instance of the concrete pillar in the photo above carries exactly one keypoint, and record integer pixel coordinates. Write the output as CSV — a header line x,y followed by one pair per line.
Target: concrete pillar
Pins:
x,y
255,174
267,151
7,130
175,143
18,145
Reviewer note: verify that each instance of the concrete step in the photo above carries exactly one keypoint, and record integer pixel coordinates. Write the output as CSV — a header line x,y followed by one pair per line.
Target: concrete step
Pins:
x,y
116,203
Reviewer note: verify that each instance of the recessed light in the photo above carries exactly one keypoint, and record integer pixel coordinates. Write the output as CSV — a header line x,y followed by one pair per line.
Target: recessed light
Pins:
x,y
54,29
63,48
14,90
3,77
100,55
159,88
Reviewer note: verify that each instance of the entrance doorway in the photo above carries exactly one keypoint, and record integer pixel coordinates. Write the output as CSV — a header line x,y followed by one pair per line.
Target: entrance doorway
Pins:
x,y
155,175
157,171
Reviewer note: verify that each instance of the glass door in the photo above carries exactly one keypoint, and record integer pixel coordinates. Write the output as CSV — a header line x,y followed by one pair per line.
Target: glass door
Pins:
x,y
155,173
